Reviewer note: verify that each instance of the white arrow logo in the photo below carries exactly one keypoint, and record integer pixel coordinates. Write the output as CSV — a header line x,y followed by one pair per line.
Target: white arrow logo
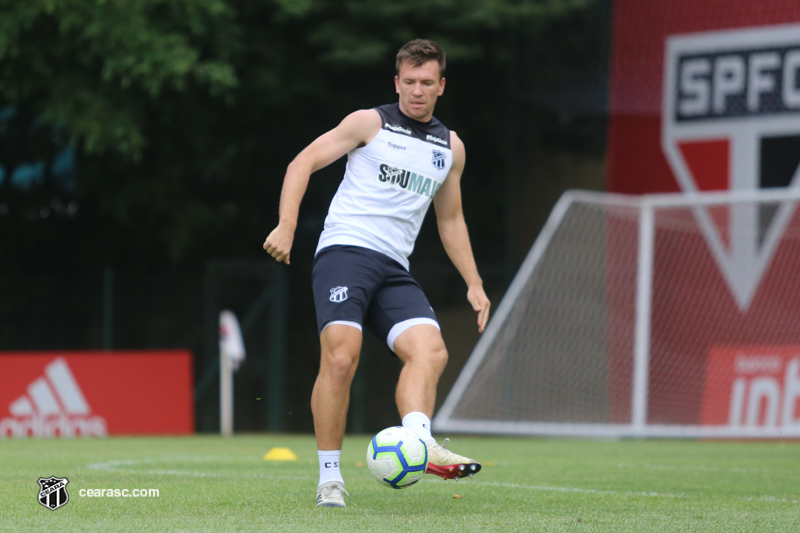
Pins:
x,y
734,89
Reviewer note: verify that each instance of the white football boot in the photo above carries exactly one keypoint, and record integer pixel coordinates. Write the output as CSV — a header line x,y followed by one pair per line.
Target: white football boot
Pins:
x,y
448,465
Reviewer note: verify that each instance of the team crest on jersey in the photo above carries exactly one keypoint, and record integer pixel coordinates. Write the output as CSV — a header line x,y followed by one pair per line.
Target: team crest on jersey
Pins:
x,y
438,159
338,294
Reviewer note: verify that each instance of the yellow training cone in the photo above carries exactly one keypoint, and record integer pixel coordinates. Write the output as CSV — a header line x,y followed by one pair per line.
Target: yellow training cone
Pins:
x,y
280,454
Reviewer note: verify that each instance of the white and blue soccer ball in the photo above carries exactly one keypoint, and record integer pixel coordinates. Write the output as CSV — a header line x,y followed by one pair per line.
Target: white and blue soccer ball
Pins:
x,y
397,457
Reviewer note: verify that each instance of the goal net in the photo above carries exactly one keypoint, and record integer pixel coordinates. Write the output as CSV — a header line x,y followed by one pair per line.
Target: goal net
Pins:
x,y
667,315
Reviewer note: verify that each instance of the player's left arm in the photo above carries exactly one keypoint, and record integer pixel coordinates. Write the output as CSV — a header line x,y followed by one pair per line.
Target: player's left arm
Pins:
x,y
454,234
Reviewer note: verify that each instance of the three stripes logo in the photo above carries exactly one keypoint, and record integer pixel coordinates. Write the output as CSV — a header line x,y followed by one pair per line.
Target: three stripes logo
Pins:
x,y
53,405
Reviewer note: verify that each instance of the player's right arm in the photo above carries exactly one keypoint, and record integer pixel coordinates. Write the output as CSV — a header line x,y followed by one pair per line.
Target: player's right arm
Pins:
x,y
357,129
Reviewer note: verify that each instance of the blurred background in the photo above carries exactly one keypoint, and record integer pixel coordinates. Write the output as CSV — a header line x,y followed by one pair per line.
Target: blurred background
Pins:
x,y
143,146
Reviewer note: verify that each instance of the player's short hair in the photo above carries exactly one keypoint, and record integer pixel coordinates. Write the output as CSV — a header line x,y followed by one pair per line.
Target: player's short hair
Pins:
x,y
421,51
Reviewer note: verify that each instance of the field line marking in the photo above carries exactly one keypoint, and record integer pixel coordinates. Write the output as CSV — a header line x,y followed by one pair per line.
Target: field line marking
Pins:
x,y
737,469
107,465
194,473
123,466
546,488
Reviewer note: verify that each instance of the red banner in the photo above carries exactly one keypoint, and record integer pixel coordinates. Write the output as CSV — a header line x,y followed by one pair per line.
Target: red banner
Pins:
x,y
705,95
752,387
44,394
720,37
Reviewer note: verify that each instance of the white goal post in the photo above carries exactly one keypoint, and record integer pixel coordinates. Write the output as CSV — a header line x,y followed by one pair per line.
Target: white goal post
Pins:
x,y
662,315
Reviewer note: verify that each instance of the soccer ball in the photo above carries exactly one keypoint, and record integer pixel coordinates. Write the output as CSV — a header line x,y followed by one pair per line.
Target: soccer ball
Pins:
x,y
397,457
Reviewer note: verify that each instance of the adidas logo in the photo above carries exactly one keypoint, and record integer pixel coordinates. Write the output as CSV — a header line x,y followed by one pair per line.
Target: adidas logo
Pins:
x,y
54,405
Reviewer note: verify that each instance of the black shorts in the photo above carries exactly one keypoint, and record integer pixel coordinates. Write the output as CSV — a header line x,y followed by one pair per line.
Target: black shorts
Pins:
x,y
361,287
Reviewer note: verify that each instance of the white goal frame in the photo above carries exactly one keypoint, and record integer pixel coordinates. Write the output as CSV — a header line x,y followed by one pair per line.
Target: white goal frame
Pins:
x,y
444,421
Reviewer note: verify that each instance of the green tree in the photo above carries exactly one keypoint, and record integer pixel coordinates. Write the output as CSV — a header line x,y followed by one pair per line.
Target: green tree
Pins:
x,y
91,66
185,112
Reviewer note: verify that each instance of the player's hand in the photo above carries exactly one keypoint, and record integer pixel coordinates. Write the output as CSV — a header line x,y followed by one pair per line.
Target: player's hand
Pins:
x,y
279,243
481,304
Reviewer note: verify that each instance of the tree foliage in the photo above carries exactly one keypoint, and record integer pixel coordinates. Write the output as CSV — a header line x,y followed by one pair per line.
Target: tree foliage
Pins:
x,y
91,66
184,113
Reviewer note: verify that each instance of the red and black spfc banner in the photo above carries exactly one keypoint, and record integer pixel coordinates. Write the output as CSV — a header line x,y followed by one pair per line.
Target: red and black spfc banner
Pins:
x,y
705,96
723,76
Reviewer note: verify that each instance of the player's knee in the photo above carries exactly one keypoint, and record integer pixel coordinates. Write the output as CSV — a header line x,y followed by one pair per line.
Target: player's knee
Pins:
x,y
438,357
433,356
426,350
339,364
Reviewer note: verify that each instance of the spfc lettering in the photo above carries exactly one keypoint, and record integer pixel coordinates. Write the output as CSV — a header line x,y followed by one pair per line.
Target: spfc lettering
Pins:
x,y
338,294
738,82
53,492
731,121
439,159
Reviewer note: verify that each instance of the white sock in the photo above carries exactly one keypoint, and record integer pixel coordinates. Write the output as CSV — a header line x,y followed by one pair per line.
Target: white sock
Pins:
x,y
329,466
420,424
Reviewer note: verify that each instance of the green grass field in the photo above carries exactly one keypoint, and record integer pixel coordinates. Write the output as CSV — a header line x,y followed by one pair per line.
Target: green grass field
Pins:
x,y
215,484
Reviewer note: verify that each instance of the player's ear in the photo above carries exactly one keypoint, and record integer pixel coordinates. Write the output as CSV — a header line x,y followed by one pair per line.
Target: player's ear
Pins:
x,y
397,85
441,85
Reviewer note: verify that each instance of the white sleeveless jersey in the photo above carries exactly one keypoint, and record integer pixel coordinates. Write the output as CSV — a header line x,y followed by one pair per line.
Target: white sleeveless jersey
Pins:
x,y
388,186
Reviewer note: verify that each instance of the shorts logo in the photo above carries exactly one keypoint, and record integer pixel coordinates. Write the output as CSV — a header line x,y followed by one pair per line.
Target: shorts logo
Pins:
x,y
731,121
53,492
338,294
438,159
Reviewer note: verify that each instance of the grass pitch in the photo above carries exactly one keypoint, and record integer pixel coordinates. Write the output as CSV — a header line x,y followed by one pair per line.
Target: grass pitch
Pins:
x,y
214,484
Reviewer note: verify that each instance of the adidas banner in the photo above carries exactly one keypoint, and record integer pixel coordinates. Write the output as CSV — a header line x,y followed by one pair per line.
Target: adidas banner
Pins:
x,y
93,394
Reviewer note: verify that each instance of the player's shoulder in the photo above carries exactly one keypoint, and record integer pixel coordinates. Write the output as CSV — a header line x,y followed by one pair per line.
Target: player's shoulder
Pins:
x,y
368,118
455,140
456,144
361,125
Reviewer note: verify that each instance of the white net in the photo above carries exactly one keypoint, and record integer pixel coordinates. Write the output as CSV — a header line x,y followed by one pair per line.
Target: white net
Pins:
x,y
656,315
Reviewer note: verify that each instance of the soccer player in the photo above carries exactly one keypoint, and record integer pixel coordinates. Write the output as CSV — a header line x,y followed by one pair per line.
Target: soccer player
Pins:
x,y
399,160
